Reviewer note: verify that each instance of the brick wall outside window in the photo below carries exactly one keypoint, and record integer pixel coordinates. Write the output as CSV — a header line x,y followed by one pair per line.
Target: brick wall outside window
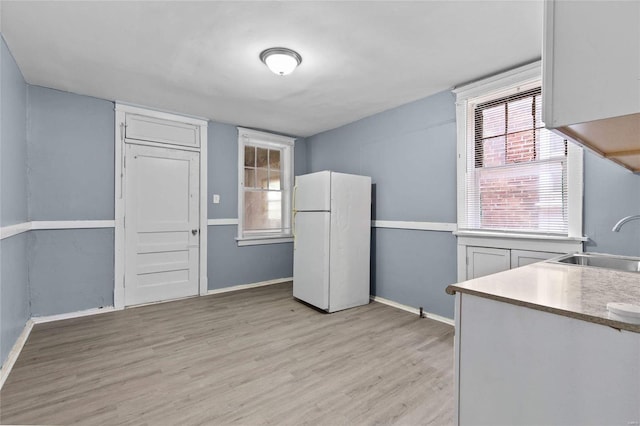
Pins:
x,y
510,146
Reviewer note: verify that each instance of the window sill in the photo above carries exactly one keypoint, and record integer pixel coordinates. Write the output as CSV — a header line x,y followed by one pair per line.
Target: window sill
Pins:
x,y
256,241
518,236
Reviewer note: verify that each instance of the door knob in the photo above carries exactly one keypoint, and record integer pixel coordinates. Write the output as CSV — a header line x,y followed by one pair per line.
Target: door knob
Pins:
x,y
194,231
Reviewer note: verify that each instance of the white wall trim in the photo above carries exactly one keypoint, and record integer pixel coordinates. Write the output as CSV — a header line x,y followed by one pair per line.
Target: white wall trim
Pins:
x,y
515,236
413,310
37,225
11,230
498,82
162,145
69,315
246,286
15,352
204,196
118,267
165,115
421,226
72,224
390,224
242,242
222,222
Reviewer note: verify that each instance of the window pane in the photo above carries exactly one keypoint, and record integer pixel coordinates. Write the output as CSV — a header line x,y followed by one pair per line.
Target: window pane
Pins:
x,y
262,156
249,156
249,178
262,177
549,145
520,115
274,180
527,197
493,121
274,159
262,211
520,147
516,178
493,151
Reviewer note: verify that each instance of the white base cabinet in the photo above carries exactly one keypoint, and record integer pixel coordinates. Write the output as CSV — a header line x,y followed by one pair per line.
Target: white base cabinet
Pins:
x,y
520,366
483,261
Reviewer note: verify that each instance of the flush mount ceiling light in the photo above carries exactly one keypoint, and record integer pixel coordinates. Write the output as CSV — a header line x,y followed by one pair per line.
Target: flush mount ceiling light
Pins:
x,y
280,60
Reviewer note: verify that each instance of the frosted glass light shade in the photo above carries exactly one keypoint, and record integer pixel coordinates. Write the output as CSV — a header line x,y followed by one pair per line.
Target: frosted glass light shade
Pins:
x,y
280,60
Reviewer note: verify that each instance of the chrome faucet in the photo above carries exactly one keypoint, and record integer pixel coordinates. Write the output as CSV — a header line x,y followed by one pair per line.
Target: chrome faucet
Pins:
x,y
624,220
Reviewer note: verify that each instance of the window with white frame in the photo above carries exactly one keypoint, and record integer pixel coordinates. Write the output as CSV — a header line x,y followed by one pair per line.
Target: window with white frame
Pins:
x,y
515,176
265,179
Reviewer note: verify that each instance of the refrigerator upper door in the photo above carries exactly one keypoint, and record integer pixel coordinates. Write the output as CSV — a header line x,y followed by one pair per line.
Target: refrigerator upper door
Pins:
x,y
311,258
313,192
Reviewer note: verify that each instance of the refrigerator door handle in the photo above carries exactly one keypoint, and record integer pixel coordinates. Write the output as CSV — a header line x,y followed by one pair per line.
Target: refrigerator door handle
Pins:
x,y
293,216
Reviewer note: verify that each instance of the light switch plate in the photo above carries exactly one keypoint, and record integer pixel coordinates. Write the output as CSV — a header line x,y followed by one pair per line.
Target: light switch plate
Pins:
x,y
216,198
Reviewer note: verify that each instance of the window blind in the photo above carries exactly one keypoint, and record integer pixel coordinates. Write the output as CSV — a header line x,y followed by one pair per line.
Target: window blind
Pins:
x,y
516,171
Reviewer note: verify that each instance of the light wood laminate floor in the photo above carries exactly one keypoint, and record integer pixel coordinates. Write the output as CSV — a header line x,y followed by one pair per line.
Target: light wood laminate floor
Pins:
x,y
250,357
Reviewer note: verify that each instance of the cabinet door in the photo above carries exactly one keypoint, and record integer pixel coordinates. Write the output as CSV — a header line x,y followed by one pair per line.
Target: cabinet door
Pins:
x,y
591,61
483,261
525,257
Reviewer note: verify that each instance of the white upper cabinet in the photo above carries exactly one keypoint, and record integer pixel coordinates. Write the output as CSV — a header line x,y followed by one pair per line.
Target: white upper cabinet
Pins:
x,y
591,75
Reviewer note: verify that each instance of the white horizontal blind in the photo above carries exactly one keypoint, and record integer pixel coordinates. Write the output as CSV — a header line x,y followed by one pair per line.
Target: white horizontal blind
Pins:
x,y
516,171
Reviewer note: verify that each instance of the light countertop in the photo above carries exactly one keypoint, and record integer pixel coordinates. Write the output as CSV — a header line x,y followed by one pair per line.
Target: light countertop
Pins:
x,y
580,292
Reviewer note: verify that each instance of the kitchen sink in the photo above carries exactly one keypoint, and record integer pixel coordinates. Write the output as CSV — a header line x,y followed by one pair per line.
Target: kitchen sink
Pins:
x,y
598,260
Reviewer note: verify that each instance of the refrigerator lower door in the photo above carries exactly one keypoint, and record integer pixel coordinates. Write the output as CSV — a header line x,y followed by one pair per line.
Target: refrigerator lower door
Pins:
x,y
311,258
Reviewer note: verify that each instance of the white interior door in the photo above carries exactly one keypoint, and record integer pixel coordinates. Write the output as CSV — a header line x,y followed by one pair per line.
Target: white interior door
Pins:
x,y
311,258
162,214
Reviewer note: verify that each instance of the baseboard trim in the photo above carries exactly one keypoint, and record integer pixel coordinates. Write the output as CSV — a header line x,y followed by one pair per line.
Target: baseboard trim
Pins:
x,y
69,315
246,286
15,352
412,310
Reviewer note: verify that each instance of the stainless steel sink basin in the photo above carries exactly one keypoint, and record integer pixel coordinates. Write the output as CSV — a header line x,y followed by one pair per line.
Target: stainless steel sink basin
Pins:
x,y
597,260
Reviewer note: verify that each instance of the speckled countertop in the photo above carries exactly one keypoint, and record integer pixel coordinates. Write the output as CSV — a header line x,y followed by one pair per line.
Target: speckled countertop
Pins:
x,y
580,292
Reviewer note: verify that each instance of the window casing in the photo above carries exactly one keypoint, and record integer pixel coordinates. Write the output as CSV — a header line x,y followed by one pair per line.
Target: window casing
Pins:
x,y
514,176
265,181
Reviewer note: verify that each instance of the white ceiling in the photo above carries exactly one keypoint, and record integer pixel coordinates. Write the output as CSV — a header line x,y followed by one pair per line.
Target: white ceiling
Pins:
x,y
201,58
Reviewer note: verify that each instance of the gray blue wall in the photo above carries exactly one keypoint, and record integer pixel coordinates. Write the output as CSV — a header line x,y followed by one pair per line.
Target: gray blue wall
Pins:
x,y
70,270
229,264
14,290
71,156
610,193
70,144
410,154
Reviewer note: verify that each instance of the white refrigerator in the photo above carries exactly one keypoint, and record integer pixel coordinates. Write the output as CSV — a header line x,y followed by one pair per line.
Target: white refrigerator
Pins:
x,y
332,238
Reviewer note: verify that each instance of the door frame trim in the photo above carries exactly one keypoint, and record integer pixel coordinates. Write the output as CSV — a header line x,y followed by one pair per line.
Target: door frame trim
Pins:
x,y
119,247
